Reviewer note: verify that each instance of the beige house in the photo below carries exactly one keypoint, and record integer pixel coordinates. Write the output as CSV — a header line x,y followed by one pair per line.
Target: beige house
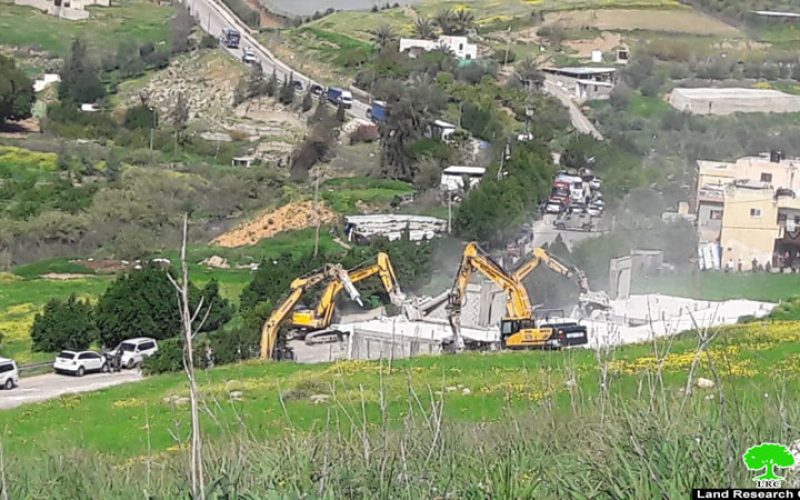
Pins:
x,y
750,208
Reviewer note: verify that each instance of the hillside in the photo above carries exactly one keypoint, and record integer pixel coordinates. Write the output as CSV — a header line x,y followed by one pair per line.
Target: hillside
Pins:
x,y
377,413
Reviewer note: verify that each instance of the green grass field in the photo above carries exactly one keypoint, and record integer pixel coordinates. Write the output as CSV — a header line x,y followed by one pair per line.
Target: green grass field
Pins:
x,y
277,397
24,293
21,299
141,20
345,194
489,14
723,286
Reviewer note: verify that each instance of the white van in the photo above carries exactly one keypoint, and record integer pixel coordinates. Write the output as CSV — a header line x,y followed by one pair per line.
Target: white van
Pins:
x,y
9,374
135,350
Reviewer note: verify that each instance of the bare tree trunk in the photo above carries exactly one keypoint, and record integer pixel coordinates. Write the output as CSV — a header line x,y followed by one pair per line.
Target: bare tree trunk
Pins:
x,y
182,288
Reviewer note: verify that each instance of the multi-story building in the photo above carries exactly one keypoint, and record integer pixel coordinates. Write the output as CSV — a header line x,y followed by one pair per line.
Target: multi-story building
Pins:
x,y
749,210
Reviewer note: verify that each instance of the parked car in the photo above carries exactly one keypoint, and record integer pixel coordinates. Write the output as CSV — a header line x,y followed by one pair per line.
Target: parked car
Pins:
x,y
135,350
554,206
9,374
316,89
594,211
249,56
574,222
79,362
298,85
576,208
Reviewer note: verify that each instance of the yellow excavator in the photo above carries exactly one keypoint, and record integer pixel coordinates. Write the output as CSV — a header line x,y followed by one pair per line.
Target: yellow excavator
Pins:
x,y
587,301
518,329
320,318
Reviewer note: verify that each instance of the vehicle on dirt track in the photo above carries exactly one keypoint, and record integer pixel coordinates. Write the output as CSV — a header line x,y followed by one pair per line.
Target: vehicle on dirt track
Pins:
x,y
79,362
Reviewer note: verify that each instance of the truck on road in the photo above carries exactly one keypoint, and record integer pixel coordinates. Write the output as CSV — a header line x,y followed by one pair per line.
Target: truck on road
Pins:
x,y
231,38
378,112
340,97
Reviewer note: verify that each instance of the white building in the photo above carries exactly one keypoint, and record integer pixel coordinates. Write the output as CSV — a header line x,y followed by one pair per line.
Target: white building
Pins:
x,y
458,45
453,177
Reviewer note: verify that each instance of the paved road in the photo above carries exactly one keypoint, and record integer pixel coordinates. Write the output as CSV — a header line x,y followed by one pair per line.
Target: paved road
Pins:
x,y
576,116
49,386
213,15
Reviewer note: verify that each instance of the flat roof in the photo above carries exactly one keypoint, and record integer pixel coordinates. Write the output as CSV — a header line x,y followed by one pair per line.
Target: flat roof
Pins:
x,y
381,218
458,169
775,13
582,70
730,93
443,124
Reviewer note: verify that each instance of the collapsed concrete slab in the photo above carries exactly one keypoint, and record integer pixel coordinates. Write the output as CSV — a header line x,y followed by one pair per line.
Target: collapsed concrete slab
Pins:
x,y
641,318
398,337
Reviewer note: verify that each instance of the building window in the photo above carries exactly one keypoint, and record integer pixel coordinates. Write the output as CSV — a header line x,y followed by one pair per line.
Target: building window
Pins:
x,y
715,215
765,177
755,212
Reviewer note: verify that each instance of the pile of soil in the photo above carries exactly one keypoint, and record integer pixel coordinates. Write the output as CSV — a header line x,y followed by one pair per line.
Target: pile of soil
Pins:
x,y
293,216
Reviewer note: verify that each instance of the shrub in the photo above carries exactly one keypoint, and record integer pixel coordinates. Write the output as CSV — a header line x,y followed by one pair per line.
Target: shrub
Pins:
x,y
364,133
169,358
140,117
64,325
209,42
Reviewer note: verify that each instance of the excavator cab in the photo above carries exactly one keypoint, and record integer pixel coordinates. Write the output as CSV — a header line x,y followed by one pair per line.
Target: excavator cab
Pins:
x,y
523,333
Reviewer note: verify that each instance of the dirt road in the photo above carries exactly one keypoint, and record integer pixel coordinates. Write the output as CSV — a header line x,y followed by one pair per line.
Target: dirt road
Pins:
x,y
544,232
49,386
576,116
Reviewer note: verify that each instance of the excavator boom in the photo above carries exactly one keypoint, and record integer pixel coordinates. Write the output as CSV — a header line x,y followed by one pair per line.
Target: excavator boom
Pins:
x,y
322,315
588,299
518,306
269,332
518,329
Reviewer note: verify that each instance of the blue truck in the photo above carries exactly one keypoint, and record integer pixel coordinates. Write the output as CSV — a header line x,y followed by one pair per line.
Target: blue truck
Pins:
x,y
340,97
378,112
230,38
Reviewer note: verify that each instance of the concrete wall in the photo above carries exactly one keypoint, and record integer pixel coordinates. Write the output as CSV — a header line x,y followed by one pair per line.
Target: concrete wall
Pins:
x,y
746,235
619,278
377,345
708,229
485,306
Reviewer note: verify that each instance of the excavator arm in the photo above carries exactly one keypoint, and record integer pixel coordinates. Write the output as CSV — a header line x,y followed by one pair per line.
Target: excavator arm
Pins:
x,y
269,332
588,299
322,315
540,255
473,259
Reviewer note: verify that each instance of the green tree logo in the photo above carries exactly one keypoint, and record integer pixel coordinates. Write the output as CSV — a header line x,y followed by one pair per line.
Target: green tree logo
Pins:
x,y
769,456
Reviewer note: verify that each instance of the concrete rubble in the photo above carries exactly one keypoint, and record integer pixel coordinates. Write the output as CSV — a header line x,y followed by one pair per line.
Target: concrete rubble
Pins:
x,y
637,319
640,318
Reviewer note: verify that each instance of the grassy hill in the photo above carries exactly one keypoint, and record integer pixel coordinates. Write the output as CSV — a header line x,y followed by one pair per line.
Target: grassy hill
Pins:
x,y
140,20
510,425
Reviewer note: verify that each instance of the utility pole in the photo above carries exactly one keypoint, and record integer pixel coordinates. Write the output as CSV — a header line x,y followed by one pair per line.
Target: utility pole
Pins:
x,y
508,46
449,211
152,132
316,215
